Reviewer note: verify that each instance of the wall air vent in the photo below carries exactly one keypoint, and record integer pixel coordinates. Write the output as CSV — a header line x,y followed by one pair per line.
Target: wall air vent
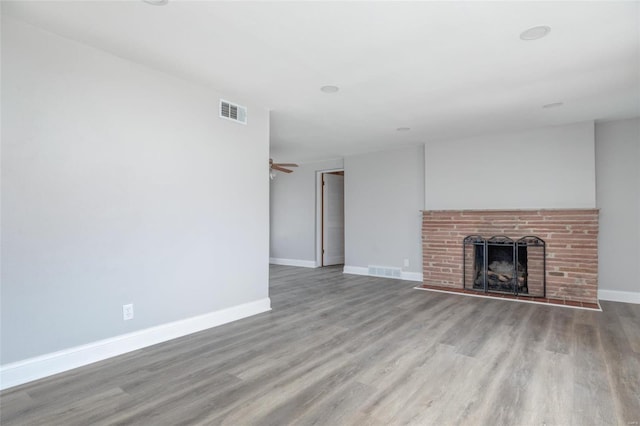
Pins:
x,y
384,271
233,112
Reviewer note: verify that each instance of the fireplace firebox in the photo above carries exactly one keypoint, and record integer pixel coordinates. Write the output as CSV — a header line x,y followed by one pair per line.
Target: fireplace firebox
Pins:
x,y
501,265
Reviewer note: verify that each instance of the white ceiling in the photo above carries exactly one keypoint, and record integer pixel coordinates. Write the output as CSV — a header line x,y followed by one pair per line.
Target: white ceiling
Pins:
x,y
444,69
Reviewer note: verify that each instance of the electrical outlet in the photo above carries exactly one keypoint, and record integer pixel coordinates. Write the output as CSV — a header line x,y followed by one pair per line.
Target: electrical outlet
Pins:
x,y
406,263
127,311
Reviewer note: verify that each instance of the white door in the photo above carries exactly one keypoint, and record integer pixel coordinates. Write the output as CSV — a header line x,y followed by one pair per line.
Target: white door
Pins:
x,y
332,219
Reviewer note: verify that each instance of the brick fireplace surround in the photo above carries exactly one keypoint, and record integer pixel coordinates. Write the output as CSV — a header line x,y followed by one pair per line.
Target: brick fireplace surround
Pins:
x,y
571,237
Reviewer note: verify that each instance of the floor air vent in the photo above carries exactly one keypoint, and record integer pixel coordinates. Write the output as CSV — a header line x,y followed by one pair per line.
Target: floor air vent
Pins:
x,y
233,112
384,271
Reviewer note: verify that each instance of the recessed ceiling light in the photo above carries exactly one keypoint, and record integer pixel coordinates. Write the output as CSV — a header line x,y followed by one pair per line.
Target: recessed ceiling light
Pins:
x,y
535,33
329,89
553,105
156,2
403,129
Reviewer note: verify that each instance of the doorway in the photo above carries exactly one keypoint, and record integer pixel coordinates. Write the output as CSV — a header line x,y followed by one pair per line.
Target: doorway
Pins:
x,y
330,218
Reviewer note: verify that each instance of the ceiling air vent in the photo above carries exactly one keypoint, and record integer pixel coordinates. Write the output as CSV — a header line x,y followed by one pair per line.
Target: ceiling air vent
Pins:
x,y
233,112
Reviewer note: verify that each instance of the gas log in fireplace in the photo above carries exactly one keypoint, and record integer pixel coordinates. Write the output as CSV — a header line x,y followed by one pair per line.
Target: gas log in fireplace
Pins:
x,y
502,265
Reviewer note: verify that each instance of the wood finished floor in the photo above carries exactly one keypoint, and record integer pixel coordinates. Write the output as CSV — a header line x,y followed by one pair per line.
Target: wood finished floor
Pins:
x,y
350,350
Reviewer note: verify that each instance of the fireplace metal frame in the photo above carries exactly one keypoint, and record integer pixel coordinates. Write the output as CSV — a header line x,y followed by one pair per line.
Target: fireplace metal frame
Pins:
x,y
474,241
477,241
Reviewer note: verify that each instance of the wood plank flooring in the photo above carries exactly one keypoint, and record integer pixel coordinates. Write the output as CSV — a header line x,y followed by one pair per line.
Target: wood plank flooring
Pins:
x,y
350,350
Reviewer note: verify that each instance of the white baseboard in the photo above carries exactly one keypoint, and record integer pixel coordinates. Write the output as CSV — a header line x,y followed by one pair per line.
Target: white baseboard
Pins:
x,y
411,276
361,270
293,262
27,370
355,270
619,296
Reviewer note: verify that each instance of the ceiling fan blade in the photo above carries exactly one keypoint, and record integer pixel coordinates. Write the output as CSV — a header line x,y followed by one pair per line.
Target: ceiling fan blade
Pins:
x,y
287,164
280,169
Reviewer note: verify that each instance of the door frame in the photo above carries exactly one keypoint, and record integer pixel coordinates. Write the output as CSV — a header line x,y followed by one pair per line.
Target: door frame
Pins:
x,y
319,212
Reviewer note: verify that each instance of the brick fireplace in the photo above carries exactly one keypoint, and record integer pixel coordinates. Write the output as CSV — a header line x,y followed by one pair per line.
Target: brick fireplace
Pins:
x,y
571,238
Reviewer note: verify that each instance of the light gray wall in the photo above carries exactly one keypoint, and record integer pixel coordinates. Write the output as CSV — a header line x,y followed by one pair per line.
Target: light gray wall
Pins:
x,y
293,211
552,167
618,198
384,192
120,185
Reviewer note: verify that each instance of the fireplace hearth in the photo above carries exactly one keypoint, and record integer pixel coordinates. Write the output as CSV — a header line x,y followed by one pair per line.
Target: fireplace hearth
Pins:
x,y
501,265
